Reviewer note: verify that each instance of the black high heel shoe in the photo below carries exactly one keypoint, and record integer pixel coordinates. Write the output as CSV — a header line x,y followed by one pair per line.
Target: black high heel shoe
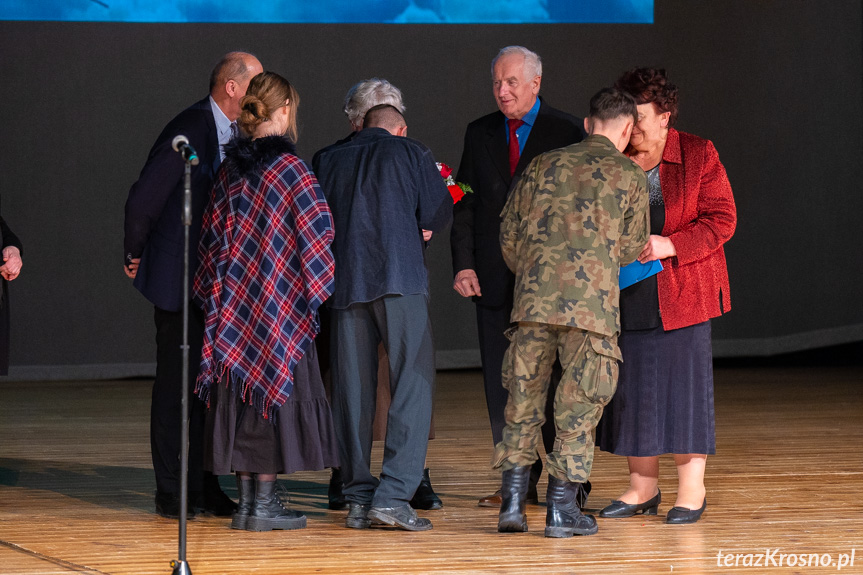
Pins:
x,y
681,515
619,509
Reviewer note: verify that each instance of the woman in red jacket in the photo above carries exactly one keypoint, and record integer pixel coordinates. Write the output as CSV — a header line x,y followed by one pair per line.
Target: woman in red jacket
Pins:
x,y
664,400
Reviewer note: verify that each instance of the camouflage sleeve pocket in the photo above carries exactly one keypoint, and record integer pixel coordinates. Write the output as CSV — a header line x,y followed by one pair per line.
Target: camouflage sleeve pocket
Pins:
x,y
606,346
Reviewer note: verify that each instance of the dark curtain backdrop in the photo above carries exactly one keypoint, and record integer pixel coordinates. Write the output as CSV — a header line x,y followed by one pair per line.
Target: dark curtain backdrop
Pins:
x,y
775,85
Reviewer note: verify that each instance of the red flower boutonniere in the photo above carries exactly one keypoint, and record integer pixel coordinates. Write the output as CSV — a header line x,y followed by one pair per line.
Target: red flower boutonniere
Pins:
x,y
456,189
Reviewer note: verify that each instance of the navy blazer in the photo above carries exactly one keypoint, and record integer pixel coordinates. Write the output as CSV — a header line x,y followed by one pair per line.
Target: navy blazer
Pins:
x,y
154,228
475,236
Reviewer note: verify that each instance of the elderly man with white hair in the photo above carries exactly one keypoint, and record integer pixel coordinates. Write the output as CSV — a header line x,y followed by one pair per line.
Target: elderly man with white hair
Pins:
x,y
497,147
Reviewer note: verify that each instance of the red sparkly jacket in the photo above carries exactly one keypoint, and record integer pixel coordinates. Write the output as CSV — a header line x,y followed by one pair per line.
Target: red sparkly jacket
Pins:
x,y
700,217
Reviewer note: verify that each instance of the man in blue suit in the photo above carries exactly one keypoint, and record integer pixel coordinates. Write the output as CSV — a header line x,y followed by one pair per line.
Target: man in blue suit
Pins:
x,y
153,258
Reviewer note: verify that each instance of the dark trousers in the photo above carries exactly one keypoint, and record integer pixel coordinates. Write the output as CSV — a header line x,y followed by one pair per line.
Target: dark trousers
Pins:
x,y
166,406
492,322
402,323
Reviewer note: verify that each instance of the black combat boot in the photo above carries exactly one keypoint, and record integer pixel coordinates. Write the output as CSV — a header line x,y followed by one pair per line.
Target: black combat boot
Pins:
x,y
513,498
583,492
268,513
425,497
246,494
563,517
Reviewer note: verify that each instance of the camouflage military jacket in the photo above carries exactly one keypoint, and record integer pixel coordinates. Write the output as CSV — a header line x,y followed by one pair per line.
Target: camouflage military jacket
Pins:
x,y
576,215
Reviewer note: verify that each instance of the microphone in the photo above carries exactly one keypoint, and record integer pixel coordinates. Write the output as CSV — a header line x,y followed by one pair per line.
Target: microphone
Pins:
x,y
181,144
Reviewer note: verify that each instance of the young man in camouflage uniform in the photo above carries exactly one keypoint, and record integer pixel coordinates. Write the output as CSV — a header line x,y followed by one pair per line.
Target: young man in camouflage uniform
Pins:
x,y
577,214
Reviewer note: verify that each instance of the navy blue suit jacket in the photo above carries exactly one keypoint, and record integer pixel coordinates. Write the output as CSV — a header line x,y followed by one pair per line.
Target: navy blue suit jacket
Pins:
x,y
475,235
153,228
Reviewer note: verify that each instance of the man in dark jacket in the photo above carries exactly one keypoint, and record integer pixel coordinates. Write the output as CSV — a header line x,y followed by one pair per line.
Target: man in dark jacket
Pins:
x,y
153,258
497,147
382,189
9,270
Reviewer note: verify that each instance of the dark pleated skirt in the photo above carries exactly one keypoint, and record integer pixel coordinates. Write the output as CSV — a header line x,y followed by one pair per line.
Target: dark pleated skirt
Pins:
x,y
238,438
664,398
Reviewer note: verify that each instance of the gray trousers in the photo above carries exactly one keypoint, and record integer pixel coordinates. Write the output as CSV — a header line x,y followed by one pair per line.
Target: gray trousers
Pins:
x,y
402,323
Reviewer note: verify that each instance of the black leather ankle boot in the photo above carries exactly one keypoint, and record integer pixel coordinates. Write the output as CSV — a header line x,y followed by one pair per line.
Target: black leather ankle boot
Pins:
x,y
246,495
268,513
513,498
563,517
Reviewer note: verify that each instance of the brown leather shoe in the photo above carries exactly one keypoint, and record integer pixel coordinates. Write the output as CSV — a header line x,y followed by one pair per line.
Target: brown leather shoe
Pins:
x,y
495,499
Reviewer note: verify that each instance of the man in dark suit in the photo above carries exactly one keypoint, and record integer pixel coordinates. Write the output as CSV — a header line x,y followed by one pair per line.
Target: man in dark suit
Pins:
x,y
153,257
10,267
497,147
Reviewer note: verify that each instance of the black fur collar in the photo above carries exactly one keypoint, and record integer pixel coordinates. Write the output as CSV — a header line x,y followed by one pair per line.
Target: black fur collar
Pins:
x,y
246,157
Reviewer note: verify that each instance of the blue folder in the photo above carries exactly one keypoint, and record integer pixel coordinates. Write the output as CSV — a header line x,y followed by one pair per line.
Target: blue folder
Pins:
x,y
637,271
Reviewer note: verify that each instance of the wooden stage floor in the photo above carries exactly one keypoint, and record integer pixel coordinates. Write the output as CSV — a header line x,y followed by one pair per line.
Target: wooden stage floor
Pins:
x,y
76,492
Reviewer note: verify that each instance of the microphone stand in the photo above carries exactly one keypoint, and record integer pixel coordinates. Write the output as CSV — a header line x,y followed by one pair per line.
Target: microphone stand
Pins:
x,y
180,566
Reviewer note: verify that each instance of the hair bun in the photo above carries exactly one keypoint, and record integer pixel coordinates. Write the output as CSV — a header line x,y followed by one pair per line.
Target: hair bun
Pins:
x,y
253,112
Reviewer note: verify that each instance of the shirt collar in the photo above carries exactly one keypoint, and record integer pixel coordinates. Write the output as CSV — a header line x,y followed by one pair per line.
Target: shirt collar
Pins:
x,y
223,124
531,115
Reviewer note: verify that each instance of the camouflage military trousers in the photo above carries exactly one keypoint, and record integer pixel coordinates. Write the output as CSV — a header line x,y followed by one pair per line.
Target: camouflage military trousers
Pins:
x,y
590,368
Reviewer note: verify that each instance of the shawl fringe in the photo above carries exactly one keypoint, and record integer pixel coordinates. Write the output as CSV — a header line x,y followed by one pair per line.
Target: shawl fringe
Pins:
x,y
223,375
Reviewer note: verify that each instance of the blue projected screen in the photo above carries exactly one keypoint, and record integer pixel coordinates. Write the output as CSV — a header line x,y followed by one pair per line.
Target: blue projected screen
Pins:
x,y
334,11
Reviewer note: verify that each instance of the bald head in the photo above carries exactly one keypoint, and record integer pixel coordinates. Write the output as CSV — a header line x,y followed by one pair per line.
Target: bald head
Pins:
x,y
233,65
387,117
230,80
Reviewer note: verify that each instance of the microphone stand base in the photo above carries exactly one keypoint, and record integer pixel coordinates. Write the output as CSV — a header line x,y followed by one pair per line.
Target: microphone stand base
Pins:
x,y
180,568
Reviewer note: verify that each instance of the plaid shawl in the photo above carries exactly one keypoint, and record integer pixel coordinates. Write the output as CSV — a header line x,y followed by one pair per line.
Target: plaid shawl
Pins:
x,y
266,267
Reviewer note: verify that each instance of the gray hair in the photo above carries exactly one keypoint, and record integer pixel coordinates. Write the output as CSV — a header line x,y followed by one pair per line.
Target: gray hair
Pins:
x,y
532,61
368,94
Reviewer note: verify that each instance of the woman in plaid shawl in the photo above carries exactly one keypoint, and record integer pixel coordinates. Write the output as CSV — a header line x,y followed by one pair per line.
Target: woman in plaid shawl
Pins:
x,y
266,267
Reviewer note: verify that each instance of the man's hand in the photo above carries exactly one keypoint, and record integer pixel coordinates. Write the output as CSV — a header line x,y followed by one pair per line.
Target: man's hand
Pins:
x,y
466,283
427,234
132,268
12,263
657,248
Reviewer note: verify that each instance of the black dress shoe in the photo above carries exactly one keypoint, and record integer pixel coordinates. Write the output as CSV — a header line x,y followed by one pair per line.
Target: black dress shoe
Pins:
x,y
358,516
618,509
218,504
403,517
168,506
681,515
212,501
425,497
335,498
